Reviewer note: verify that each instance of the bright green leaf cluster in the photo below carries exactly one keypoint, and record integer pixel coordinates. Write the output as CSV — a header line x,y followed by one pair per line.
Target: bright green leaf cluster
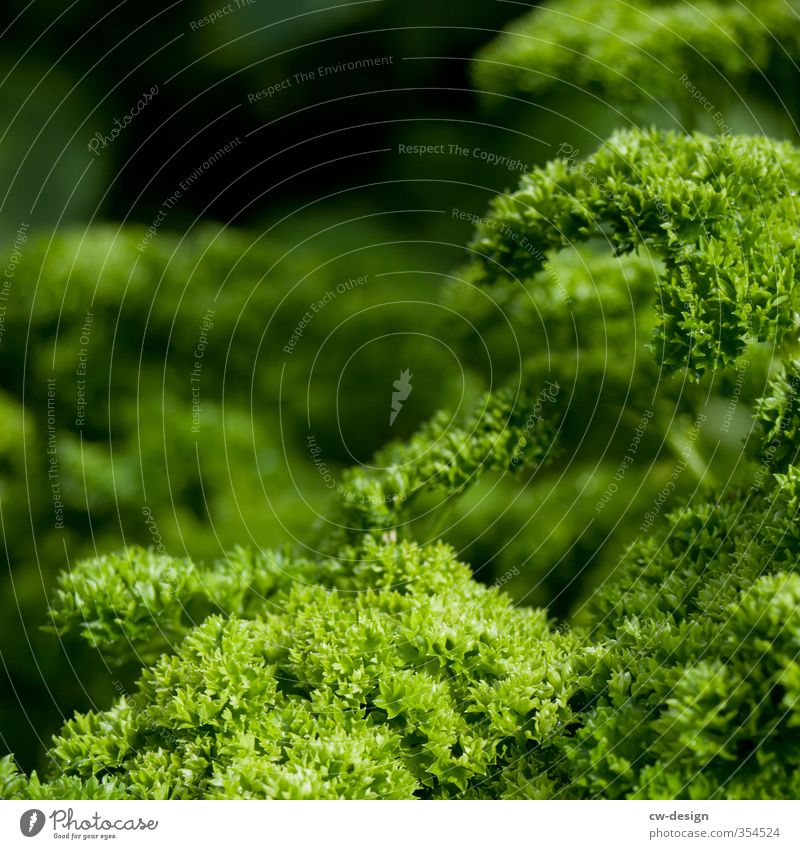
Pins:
x,y
693,688
392,675
720,212
388,672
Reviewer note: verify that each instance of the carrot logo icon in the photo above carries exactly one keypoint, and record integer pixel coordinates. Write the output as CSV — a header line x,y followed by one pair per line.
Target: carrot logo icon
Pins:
x,y
31,822
403,389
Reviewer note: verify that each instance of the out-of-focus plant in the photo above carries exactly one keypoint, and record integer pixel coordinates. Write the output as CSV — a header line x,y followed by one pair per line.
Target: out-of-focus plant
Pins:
x,y
148,399
715,66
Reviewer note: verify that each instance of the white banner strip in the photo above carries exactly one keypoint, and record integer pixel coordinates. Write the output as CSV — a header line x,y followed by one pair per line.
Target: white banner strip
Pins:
x,y
403,825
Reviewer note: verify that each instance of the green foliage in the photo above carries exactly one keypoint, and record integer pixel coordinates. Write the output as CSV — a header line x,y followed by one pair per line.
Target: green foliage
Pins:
x,y
508,431
720,212
12,784
700,58
388,672
138,604
392,674
99,342
378,667
693,687
775,438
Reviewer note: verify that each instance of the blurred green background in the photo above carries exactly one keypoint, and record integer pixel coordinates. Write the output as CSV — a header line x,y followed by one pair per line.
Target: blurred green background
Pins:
x,y
312,169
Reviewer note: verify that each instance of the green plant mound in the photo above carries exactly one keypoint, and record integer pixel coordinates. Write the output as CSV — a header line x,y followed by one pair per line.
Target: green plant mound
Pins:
x,y
390,673
395,677
638,54
695,685
132,372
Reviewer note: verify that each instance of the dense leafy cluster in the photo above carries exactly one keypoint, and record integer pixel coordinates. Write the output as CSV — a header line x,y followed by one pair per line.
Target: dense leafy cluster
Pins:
x,y
698,58
695,688
388,672
380,668
720,212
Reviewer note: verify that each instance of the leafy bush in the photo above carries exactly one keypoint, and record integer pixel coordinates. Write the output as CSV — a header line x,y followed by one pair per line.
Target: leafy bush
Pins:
x,y
717,66
379,667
